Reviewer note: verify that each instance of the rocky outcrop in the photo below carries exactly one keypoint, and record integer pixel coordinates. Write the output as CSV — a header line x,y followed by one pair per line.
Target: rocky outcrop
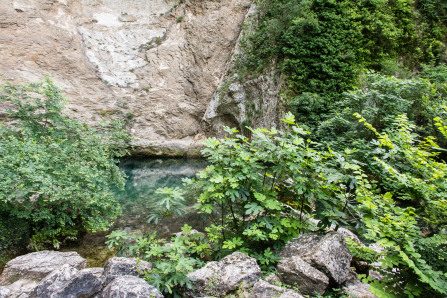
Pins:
x,y
156,65
37,265
233,272
85,284
296,272
254,102
314,262
56,274
238,102
328,253
69,282
116,267
130,286
52,283
263,289
311,263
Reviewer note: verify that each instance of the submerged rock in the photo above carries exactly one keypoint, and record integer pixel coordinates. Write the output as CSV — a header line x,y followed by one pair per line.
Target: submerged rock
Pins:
x,y
117,266
228,275
37,265
328,253
130,286
296,272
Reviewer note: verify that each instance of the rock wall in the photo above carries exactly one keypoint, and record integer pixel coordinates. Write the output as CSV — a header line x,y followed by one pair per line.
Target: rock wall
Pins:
x,y
238,101
156,63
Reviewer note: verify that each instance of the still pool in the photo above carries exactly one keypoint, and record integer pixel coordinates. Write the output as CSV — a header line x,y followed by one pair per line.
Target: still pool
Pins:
x,y
144,177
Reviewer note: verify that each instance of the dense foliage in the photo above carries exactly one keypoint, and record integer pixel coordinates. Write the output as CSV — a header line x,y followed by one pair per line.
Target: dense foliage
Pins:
x,y
368,153
322,45
413,262
56,173
380,99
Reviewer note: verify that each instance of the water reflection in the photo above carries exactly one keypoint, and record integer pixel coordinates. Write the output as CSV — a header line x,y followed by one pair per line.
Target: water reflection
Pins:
x,y
144,177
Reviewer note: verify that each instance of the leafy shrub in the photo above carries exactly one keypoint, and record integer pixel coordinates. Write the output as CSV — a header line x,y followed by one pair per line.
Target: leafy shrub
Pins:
x,y
415,186
172,202
379,100
56,173
437,75
171,262
259,192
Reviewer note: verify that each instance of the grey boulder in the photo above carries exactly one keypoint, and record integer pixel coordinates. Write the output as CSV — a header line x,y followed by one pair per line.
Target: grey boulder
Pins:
x,y
54,281
272,279
118,266
228,275
97,271
328,253
70,283
84,284
263,289
23,288
37,265
296,272
130,286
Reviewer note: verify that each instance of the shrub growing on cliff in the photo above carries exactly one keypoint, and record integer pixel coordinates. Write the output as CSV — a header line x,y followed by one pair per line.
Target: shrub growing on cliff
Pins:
x,y
56,173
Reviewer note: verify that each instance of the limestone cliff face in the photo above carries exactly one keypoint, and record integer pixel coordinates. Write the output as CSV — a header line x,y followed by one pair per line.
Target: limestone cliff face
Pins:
x,y
157,62
240,102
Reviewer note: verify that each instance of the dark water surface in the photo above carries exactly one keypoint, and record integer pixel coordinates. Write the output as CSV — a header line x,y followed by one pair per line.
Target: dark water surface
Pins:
x,y
145,176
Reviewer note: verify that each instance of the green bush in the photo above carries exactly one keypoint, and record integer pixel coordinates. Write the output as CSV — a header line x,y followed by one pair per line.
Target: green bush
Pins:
x,y
259,192
415,187
56,174
170,262
379,100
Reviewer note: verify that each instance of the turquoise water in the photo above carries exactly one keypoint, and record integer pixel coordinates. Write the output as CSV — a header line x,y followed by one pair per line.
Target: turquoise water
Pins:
x,y
144,177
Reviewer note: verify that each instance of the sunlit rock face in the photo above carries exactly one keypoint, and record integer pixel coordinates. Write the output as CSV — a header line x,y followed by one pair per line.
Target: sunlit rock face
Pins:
x,y
117,35
155,63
